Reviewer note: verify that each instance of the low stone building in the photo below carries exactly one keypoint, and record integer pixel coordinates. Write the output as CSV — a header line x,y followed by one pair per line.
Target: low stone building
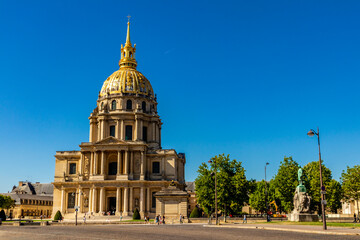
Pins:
x,y
32,200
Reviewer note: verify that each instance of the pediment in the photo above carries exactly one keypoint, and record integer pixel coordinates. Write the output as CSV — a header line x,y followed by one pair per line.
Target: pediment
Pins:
x,y
109,140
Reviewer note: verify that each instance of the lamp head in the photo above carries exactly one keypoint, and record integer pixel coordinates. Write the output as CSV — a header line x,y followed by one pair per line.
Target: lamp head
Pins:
x,y
311,133
267,163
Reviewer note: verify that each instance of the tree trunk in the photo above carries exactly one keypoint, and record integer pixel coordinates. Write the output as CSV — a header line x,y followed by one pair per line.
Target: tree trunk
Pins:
x,y
357,202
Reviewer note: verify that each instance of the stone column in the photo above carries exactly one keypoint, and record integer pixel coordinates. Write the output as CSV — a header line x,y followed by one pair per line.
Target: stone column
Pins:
x,y
90,200
142,163
80,200
142,202
102,163
62,205
103,130
126,202
95,164
148,197
98,131
102,200
81,163
137,126
163,167
122,131
91,163
153,132
126,163
118,163
141,130
94,207
131,163
118,200
131,199
117,128
157,133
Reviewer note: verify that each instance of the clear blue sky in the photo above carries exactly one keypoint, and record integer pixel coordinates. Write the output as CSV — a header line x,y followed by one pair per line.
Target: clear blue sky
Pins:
x,y
247,78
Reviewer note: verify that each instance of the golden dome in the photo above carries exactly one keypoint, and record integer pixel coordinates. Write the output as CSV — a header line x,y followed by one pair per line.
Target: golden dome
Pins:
x,y
127,79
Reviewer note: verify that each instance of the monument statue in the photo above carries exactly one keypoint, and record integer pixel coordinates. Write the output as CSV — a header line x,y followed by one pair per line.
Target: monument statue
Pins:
x,y
301,212
301,197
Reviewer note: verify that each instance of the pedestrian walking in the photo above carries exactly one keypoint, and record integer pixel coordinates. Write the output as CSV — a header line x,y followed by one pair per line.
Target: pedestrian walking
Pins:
x,y
244,220
354,218
157,220
84,218
163,219
181,219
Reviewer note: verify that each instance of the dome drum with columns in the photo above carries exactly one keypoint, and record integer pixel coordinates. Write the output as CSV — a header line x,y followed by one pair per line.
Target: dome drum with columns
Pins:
x,y
122,166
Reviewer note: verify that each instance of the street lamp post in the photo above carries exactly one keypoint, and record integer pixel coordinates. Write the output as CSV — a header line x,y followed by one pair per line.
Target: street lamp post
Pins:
x,y
311,133
76,207
267,207
266,184
216,210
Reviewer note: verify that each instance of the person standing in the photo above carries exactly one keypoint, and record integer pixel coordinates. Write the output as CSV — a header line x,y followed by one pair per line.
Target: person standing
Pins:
x,y
181,219
244,220
163,218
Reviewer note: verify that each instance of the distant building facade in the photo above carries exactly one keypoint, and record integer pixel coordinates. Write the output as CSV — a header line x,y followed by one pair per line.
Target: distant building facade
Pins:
x,y
123,165
32,200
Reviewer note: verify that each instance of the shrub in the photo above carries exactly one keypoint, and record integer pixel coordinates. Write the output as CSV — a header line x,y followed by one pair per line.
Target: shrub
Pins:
x,y
195,213
2,215
58,216
136,215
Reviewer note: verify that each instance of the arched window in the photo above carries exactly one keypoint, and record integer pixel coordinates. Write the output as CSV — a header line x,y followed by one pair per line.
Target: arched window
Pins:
x,y
102,106
143,106
113,105
128,104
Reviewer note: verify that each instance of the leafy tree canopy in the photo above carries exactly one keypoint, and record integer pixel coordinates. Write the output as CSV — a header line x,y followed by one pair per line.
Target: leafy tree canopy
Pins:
x,y
6,202
232,186
258,199
285,183
351,183
312,171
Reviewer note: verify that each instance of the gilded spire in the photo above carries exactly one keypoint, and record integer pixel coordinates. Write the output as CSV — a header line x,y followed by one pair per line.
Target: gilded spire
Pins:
x,y
128,42
128,51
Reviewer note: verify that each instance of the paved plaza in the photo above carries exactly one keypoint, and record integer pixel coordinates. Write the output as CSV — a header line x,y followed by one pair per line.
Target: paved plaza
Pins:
x,y
186,232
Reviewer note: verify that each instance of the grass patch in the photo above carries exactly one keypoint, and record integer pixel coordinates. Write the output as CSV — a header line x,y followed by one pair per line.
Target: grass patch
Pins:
x,y
330,224
137,220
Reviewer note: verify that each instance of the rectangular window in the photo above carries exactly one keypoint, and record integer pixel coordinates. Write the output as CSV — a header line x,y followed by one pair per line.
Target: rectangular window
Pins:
x,y
71,200
72,168
112,131
145,134
128,132
153,200
156,167
112,168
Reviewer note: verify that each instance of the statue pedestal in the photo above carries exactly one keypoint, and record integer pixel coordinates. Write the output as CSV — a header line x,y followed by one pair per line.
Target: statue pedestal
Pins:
x,y
303,217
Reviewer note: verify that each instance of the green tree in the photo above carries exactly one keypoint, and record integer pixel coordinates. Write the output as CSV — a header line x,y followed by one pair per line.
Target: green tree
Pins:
x,y
2,215
351,184
195,213
6,202
312,172
285,183
232,185
334,196
58,216
136,215
258,197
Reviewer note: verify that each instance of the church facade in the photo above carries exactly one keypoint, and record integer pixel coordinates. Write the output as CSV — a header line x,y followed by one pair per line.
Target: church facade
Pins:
x,y
123,165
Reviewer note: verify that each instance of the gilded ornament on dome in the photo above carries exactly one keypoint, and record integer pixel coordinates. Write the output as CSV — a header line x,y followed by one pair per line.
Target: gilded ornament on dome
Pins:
x,y
129,82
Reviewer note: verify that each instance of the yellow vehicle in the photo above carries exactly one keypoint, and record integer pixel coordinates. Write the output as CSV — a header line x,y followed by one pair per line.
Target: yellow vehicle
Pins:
x,y
276,209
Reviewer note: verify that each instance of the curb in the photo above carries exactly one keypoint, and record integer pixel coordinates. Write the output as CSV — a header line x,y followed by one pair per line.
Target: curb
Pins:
x,y
327,232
